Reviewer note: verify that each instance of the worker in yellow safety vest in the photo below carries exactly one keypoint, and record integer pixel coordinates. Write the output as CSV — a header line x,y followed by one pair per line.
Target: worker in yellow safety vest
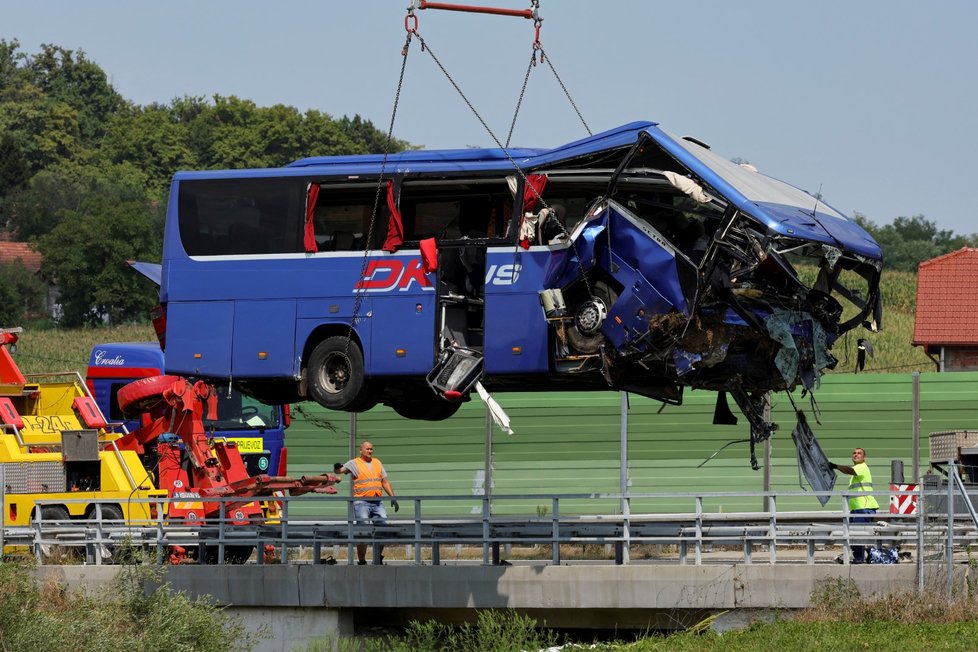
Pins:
x,y
861,500
369,481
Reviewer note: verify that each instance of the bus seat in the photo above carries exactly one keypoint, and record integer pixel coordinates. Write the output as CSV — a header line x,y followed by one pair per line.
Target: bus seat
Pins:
x,y
343,240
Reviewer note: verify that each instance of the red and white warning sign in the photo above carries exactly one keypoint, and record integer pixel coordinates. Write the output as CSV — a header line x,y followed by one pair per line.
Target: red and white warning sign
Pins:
x,y
903,503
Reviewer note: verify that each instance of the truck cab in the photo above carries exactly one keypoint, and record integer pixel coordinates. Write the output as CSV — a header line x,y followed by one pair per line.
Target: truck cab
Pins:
x,y
256,428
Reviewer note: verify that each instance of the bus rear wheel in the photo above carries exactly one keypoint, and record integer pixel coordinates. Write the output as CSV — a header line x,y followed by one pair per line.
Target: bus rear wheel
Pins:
x,y
335,374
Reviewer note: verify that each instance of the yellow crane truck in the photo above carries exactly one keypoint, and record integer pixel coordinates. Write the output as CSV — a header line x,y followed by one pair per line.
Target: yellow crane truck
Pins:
x,y
55,445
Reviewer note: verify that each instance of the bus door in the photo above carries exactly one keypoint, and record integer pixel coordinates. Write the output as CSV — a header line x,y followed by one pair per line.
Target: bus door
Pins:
x,y
461,295
460,320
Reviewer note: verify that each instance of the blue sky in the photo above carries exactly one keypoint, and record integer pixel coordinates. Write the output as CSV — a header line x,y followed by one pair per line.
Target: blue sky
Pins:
x,y
871,101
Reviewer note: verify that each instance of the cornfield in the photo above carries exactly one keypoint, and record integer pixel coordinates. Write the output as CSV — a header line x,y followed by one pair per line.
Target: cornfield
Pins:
x,y
56,349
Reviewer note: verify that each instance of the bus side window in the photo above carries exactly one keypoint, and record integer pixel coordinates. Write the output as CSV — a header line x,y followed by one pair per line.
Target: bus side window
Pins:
x,y
253,216
344,226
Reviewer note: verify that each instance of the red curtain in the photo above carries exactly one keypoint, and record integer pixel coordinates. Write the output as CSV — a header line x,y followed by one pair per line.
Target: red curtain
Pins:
x,y
532,192
534,182
309,238
429,255
395,228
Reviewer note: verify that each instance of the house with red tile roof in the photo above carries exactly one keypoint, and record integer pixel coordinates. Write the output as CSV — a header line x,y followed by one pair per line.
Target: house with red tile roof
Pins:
x,y
946,321
23,253
13,251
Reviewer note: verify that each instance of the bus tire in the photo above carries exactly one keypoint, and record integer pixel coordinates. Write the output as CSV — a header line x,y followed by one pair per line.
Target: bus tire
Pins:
x,y
367,401
589,344
335,374
140,395
433,409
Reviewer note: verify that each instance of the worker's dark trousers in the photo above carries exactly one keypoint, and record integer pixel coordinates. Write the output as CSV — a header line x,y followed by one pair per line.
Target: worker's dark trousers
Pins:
x,y
859,552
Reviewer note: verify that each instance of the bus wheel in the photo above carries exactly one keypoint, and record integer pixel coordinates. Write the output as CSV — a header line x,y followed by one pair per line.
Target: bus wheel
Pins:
x,y
433,409
588,316
335,373
366,401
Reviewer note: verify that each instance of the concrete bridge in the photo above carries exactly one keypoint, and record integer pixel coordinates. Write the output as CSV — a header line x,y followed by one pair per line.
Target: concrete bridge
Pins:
x,y
300,602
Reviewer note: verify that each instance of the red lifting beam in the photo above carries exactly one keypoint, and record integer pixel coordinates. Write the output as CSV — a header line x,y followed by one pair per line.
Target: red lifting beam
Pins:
x,y
519,13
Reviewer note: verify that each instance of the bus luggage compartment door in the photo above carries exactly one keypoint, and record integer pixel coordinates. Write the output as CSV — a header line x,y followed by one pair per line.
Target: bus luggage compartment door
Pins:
x,y
199,338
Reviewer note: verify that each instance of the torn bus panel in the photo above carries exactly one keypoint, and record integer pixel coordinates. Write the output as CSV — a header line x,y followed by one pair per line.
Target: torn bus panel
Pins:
x,y
696,263
812,461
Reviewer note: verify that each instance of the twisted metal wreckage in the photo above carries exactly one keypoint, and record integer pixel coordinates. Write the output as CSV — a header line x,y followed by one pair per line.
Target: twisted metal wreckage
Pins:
x,y
686,273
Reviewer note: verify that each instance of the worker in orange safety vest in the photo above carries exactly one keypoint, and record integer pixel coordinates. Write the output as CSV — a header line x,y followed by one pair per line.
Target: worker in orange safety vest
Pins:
x,y
369,481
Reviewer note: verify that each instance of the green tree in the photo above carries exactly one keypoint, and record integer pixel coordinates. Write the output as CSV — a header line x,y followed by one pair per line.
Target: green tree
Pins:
x,y
38,207
151,139
909,241
13,166
86,252
46,128
365,135
21,293
10,60
71,78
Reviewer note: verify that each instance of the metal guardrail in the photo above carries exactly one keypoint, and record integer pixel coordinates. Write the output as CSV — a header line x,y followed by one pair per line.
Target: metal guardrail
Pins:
x,y
697,536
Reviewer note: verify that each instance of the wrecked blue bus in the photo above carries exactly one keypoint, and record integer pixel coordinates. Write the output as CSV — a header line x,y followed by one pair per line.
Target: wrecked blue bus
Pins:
x,y
634,259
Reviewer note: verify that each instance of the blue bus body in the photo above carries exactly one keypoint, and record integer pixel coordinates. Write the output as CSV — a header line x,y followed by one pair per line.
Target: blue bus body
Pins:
x,y
258,429
657,265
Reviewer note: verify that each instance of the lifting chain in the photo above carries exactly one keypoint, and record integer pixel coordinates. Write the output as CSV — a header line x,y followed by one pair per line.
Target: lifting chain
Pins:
x,y
411,27
564,88
536,46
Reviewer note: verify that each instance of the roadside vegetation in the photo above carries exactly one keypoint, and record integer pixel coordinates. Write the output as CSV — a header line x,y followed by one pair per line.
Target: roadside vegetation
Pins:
x,y
120,616
47,617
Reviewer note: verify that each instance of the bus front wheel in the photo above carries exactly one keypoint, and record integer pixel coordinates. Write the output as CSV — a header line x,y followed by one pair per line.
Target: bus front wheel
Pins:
x,y
335,374
426,409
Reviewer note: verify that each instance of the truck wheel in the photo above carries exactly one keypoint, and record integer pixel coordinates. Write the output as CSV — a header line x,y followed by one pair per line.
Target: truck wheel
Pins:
x,y
109,513
54,513
57,554
335,374
141,395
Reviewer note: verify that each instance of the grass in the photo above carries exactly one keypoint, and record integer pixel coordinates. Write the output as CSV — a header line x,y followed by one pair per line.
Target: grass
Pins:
x,y
119,617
